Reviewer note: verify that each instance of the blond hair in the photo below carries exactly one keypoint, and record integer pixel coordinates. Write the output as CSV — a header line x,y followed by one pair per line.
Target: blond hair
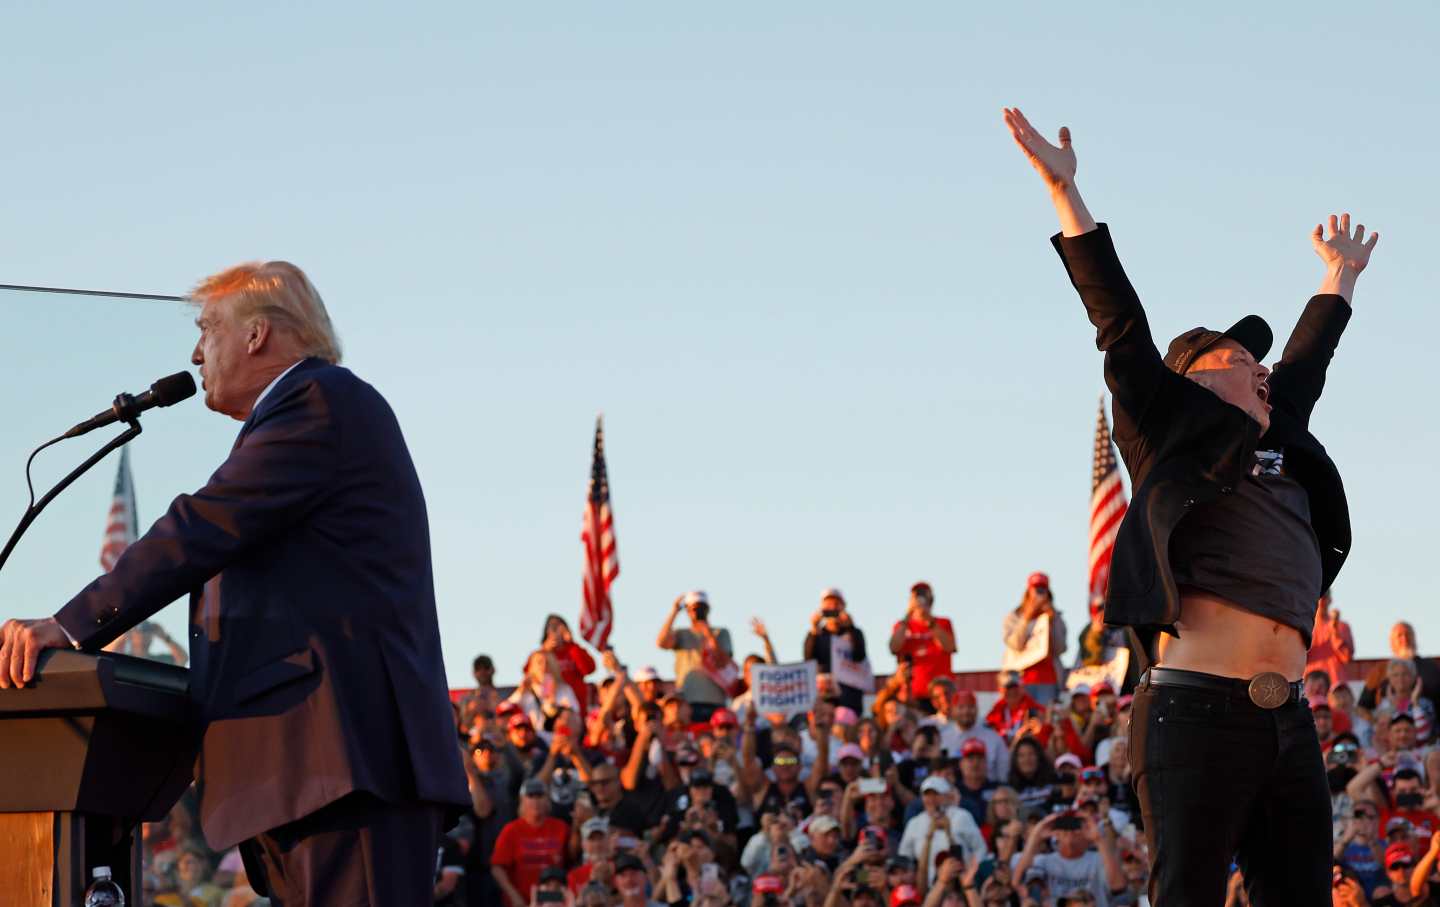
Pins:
x,y
281,293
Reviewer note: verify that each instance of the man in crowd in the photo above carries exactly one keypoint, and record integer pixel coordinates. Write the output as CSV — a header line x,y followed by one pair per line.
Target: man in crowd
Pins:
x,y
1238,520
1332,646
634,806
493,807
1360,849
632,882
940,824
596,856
974,784
1013,709
485,698
702,654
315,659
831,625
924,641
1073,865
528,846
957,721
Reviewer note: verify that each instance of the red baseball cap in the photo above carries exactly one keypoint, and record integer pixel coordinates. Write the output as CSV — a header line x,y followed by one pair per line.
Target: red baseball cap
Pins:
x,y
1100,689
972,747
768,884
1397,853
1038,580
506,708
519,720
724,718
904,894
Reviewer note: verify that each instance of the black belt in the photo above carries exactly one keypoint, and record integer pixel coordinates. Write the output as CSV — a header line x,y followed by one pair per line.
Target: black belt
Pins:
x,y
1269,690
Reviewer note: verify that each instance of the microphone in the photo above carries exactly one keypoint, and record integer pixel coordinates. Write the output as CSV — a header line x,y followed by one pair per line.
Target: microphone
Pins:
x,y
165,392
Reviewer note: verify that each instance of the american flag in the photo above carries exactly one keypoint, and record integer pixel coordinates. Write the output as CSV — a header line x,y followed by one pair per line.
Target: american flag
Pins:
x,y
602,564
122,526
1107,508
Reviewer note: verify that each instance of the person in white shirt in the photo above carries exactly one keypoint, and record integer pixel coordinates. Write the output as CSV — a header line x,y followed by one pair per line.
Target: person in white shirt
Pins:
x,y
942,824
1073,865
958,721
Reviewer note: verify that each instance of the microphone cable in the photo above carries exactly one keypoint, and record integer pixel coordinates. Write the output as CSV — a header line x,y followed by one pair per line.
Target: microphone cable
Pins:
x,y
152,297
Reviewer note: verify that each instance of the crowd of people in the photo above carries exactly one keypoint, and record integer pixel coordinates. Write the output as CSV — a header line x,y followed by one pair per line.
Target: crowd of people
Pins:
x,y
600,784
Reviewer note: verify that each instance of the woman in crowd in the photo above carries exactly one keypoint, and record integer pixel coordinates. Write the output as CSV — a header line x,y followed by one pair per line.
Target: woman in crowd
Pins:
x,y
1401,694
1034,636
1032,775
1002,821
543,692
574,662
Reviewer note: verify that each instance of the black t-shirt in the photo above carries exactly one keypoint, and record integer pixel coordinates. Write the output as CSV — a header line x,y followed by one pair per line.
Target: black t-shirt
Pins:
x,y
1255,547
773,801
677,803
638,810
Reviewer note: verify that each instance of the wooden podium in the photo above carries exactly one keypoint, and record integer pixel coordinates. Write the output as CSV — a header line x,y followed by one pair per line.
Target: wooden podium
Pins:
x,y
95,745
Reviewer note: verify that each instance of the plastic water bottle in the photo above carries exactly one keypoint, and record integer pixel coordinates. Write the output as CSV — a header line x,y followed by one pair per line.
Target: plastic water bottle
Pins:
x,y
103,892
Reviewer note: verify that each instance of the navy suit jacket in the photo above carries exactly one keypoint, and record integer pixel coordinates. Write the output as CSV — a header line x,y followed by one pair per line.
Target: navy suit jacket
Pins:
x,y
314,644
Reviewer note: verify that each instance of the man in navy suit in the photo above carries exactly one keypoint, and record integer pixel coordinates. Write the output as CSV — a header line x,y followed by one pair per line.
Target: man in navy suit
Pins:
x,y
329,750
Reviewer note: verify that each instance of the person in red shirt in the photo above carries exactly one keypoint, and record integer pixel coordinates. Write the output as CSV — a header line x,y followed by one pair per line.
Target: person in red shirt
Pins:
x,y
1033,646
1016,710
528,845
575,663
597,854
926,641
1331,645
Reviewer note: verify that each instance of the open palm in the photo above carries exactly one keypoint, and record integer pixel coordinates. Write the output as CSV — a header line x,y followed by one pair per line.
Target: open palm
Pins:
x,y
1344,248
1055,165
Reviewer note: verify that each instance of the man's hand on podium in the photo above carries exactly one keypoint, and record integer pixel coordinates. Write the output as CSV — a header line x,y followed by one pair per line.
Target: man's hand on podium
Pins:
x,y
21,642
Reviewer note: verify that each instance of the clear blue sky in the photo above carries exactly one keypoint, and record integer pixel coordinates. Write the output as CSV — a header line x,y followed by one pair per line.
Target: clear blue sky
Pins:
x,y
791,253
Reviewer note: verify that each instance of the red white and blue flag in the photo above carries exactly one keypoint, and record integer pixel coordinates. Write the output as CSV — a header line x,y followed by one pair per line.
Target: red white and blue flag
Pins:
x,y
602,564
1107,509
122,525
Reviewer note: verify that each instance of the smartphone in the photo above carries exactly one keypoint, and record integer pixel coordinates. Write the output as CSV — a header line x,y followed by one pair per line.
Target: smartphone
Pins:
x,y
870,786
710,874
549,897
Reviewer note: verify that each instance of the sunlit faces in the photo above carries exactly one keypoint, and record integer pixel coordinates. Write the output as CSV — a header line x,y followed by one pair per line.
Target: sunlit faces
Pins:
x,y
1229,371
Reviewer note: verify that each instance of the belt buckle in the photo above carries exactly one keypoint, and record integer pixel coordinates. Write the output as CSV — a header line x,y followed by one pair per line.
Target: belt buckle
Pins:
x,y
1269,690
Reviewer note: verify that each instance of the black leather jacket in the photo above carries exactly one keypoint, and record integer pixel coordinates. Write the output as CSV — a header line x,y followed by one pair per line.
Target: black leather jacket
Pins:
x,y
1183,445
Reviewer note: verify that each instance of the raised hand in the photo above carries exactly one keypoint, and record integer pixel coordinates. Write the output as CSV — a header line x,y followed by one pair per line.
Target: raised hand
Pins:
x,y
757,626
1056,166
1343,249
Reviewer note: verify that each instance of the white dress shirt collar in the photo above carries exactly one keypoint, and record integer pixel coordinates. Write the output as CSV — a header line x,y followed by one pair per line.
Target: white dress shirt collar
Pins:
x,y
271,386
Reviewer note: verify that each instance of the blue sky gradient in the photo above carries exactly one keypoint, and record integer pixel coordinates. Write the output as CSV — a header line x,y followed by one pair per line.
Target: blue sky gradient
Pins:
x,y
791,253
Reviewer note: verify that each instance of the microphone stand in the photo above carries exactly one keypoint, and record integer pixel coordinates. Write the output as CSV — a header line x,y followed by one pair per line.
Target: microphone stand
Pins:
x,y
113,444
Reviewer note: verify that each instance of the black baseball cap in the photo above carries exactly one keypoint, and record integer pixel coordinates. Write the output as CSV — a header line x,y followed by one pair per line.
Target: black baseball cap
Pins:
x,y
627,861
1251,332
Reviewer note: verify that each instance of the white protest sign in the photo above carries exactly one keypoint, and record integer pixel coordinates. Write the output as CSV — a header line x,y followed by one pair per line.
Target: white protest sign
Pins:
x,y
1111,670
1037,646
847,670
787,689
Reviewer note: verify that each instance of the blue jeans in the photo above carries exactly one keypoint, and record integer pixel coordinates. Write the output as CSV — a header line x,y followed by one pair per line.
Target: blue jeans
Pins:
x,y
1220,779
